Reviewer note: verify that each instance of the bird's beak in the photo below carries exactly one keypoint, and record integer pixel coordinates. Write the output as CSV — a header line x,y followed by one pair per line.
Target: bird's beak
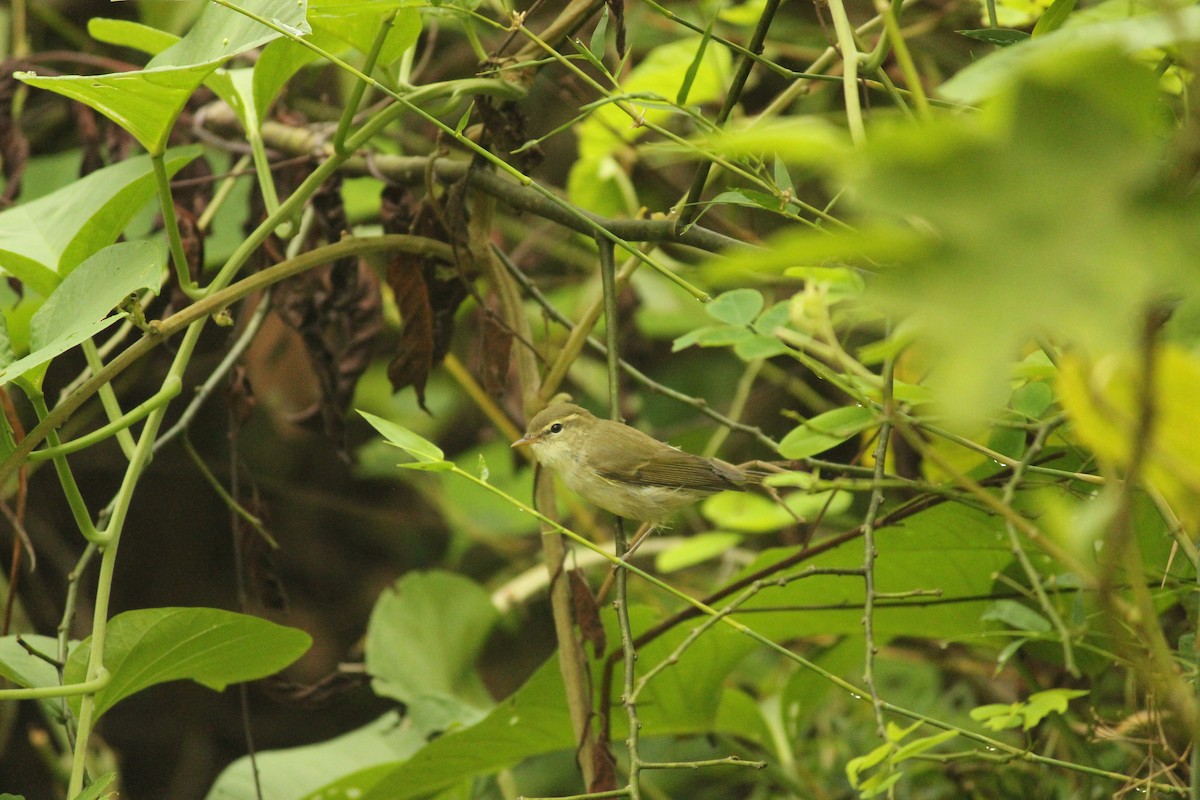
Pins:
x,y
523,441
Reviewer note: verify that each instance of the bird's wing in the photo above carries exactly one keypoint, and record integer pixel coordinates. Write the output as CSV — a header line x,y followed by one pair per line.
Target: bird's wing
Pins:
x,y
680,469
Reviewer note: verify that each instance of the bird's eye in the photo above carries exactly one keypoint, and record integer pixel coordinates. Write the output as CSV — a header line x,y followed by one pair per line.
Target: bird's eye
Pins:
x,y
556,427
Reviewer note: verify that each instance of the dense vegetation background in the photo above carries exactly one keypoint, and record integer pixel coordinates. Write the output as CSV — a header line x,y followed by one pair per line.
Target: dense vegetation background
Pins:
x,y
937,261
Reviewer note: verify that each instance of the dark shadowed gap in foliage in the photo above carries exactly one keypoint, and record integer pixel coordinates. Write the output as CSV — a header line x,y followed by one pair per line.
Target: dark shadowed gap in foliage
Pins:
x,y
336,311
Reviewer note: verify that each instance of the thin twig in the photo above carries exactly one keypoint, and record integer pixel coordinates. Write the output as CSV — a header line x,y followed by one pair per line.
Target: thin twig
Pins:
x,y
870,552
1018,550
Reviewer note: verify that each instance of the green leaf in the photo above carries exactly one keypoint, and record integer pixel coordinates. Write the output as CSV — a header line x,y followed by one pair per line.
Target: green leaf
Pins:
x,y
599,184
1104,404
43,240
1007,440
805,140
949,548
879,783
25,670
7,355
423,640
744,14
689,77
220,33
918,746
748,197
713,336
423,450
986,76
127,33
79,308
1032,400
352,763
691,697
358,23
96,287
997,36
1054,17
998,716
280,60
895,734
598,44
753,513
29,671
207,645
797,247
144,103
736,307
695,550
759,346
660,74
99,788
1051,701
826,430
857,766
774,317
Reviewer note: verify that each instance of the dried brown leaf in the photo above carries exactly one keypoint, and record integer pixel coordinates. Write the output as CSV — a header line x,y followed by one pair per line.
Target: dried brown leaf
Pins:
x,y
494,349
427,295
587,613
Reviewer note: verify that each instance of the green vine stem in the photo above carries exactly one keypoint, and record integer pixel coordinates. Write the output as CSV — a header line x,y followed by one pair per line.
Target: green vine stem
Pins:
x,y
66,478
1018,550
850,60
71,690
121,503
891,24
359,87
170,389
171,224
108,397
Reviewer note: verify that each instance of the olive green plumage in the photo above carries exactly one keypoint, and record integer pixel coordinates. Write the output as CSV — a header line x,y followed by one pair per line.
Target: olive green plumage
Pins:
x,y
621,469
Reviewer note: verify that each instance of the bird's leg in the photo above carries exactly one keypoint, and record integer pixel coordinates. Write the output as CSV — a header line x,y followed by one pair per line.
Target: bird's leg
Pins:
x,y
639,536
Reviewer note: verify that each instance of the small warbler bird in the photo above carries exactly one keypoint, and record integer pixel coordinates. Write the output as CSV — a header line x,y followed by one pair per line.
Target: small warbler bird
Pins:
x,y
623,470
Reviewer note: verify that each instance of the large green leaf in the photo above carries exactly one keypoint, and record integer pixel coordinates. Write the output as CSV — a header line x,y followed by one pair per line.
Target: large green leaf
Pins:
x,y
221,33
279,61
43,240
207,645
950,548
79,308
365,754
29,671
690,697
146,103
127,33
357,24
826,430
423,640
